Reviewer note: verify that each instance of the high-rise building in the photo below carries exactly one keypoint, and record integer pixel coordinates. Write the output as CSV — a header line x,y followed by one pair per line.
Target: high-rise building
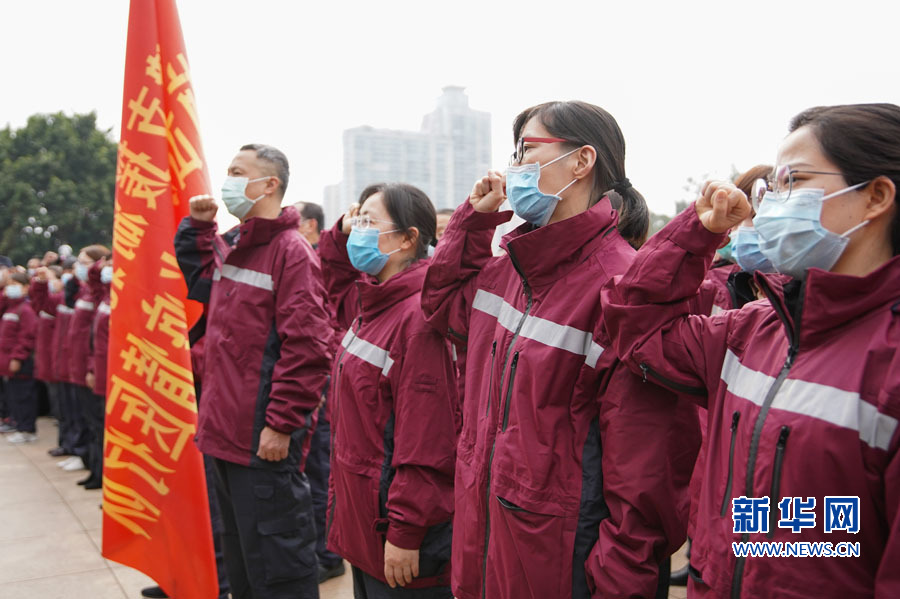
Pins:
x,y
444,159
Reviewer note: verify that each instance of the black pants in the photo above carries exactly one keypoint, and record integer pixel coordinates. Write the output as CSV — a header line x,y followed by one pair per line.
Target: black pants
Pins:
x,y
318,468
72,421
23,403
369,587
270,536
218,526
93,408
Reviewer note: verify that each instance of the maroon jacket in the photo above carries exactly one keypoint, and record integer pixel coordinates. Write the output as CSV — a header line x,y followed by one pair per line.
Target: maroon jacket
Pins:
x,y
560,491
78,339
266,356
45,351
18,329
393,430
53,304
97,361
803,397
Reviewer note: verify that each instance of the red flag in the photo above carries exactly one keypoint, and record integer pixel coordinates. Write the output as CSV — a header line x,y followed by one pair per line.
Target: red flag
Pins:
x,y
155,507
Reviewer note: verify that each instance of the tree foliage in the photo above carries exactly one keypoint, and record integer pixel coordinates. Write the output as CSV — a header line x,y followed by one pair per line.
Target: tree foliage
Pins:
x,y
57,185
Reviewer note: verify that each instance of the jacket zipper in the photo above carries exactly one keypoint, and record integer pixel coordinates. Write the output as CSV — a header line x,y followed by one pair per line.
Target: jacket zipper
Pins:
x,y
793,336
526,290
775,493
337,390
487,410
675,386
509,388
735,418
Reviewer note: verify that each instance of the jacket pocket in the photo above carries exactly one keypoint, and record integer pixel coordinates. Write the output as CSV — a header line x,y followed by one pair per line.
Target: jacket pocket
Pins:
x,y
775,491
490,377
735,418
509,389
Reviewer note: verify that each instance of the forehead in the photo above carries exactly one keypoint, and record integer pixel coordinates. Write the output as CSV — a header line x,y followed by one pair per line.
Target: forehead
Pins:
x,y
245,160
801,148
374,206
534,128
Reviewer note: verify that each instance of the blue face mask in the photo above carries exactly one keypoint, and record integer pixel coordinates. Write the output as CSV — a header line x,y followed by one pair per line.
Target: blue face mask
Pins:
x,y
526,198
791,234
746,251
66,277
81,272
106,274
365,255
234,195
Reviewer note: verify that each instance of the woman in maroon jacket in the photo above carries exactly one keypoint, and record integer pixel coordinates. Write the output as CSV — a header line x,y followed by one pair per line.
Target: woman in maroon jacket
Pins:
x,y
802,391
393,403
99,279
559,490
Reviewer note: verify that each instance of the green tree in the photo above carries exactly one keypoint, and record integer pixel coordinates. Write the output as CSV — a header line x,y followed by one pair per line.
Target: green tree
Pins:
x,y
57,185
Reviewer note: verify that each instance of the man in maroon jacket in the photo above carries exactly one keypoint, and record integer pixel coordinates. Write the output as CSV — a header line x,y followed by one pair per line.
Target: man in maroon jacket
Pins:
x,y
266,360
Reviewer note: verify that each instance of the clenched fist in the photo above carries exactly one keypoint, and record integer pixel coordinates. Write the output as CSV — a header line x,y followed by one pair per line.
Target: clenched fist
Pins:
x,y
721,206
203,207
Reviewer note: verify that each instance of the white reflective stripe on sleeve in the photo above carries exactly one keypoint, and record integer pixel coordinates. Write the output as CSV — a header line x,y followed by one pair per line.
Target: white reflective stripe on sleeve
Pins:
x,y
46,315
64,309
453,355
716,310
368,352
822,402
217,275
84,305
253,278
11,317
539,329
104,308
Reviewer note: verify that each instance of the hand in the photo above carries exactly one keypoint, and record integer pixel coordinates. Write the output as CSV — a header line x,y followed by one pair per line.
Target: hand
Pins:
x,y
42,273
15,366
50,258
90,379
203,207
489,192
273,446
721,206
400,565
345,223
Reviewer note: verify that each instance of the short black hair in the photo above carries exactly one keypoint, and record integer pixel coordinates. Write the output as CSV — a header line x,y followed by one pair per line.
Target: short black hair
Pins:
x,y
312,211
275,158
408,207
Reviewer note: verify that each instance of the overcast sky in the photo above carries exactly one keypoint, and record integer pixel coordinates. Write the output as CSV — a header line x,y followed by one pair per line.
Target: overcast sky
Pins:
x,y
695,86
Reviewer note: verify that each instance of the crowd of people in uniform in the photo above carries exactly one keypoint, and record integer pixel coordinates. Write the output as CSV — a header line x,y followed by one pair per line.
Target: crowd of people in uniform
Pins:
x,y
550,419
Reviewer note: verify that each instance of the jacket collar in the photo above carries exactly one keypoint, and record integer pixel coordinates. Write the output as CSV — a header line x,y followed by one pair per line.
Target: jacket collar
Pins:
x,y
260,231
546,254
827,300
376,298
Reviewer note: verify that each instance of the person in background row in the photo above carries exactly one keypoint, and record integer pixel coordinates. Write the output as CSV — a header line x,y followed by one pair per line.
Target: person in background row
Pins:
x,y
802,391
393,404
554,452
17,332
443,217
266,358
312,221
6,425
78,343
47,280
99,280
318,462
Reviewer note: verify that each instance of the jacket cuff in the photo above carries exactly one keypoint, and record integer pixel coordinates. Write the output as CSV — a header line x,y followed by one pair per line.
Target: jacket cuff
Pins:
x,y
280,425
472,220
202,224
406,536
687,232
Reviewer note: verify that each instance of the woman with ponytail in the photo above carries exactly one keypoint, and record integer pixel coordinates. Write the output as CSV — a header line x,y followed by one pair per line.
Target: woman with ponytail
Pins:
x,y
559,491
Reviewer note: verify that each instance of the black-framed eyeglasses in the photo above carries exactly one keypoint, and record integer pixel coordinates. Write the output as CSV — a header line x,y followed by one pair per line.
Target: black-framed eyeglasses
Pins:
x,y
781,181
517,156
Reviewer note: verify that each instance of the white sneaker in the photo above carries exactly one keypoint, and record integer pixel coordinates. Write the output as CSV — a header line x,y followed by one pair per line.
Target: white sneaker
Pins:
x,y
5,427
62,463
74,464
16,438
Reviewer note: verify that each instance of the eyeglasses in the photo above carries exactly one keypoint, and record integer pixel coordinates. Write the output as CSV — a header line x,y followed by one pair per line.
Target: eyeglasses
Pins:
x,y
365,221
782,182
519,154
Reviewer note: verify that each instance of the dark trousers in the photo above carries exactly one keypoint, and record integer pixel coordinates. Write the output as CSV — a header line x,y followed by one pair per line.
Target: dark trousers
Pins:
x,y
53,396
23,403
93,408
218,525
270,536
72,421
318,468
369,587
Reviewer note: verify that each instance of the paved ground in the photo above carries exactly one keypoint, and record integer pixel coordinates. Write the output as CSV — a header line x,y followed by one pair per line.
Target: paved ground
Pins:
x,y
50,533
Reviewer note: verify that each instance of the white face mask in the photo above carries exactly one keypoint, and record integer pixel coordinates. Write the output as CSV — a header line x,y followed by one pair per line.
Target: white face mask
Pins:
x,y
14,292
234,195
106,275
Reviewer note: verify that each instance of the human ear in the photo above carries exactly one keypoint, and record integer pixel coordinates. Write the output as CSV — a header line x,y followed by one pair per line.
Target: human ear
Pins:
x,y
586,156
882,195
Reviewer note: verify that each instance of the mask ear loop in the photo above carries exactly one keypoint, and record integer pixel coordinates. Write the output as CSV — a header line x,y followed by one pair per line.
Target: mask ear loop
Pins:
x,y
854,229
